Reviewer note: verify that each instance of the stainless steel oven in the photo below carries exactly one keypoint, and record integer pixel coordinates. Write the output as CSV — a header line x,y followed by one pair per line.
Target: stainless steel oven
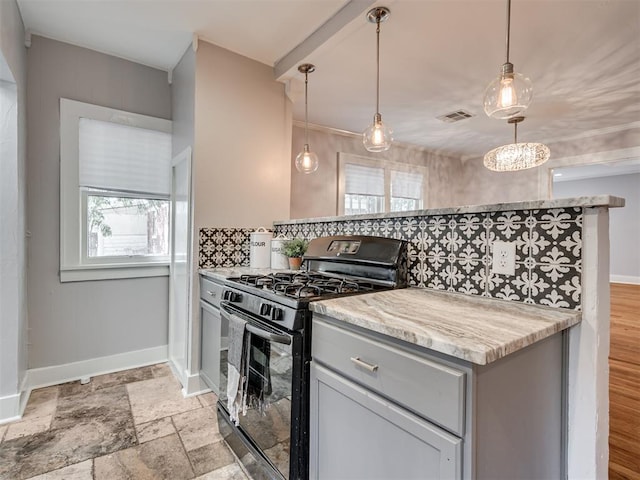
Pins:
x,y
273,442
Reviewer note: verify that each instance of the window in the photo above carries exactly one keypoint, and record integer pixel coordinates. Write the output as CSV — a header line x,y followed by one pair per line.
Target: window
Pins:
x,y
115,185
369,186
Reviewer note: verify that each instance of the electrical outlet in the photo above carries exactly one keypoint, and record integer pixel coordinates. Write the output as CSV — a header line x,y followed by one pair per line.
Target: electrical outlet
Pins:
x,y
504,258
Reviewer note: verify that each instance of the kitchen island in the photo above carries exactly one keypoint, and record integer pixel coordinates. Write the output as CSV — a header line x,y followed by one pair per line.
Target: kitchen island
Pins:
x,y
562,261
428,384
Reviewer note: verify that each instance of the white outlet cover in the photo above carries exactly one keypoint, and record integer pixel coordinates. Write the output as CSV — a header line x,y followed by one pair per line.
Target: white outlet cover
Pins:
x,y
504,258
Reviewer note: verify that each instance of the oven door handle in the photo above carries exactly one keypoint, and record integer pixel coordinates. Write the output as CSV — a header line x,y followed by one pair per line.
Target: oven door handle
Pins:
x,y
272,337
256,330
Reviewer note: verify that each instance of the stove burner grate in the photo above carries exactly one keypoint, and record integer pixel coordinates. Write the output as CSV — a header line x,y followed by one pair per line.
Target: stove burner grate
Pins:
x,y
304,284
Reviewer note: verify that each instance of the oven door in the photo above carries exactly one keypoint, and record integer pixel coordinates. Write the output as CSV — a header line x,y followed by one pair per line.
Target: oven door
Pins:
x,y
276,361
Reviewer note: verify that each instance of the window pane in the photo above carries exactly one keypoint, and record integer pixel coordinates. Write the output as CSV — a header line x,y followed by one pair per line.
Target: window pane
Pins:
x,y
125,226
355,204
406,191
404,204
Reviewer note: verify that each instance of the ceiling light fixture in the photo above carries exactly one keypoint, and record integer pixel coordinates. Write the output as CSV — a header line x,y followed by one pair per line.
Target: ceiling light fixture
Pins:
x,y
510,93
377,137
306,161
516,156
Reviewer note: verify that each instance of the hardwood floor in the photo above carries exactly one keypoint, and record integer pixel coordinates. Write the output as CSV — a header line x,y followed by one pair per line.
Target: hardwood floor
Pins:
x,y
624,383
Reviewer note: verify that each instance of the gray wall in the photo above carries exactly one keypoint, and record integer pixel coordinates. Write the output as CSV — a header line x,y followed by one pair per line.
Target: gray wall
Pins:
x,y
183,101
624,223
77,321
315,195
13,306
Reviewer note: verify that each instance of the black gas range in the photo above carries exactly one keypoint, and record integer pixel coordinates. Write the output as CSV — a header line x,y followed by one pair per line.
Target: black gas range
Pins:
x,y
273,443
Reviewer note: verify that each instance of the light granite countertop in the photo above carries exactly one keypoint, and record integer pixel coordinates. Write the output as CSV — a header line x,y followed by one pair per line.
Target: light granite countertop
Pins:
x,y
477,329
593,201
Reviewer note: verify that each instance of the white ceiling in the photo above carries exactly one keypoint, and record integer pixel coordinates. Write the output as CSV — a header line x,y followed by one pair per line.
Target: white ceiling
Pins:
x,y
437,56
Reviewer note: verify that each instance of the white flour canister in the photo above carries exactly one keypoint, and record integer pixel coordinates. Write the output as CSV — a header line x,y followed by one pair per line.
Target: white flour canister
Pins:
x,y
260,248
279,260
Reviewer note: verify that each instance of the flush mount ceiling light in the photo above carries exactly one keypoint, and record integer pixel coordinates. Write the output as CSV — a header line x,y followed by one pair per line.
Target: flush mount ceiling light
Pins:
x,y
377,137
306,161
516,156
510,93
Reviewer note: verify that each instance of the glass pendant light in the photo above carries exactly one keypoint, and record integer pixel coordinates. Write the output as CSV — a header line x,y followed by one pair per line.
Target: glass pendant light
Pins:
x,y
516,156
378,136
306,161
510,93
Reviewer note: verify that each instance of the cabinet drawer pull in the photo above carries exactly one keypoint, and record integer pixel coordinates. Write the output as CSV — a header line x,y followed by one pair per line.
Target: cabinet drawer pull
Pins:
x,y
213,294
363,364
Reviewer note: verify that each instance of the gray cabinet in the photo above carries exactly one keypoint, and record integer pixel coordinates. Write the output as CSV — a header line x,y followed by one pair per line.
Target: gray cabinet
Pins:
x,y
210,322
213,333
356,434
382,408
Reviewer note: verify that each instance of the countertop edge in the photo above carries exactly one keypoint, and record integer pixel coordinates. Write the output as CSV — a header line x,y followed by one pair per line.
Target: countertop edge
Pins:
x,y
591,201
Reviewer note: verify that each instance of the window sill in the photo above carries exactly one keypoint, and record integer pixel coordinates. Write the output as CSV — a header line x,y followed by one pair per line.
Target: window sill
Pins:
x,y
84,273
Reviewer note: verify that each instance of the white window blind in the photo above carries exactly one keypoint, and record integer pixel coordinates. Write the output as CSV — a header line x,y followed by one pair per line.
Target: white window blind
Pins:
x,y
119,157
361,180
406,184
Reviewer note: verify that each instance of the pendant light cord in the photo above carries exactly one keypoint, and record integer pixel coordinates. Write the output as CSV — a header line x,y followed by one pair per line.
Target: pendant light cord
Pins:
x,y
306,110
508,27
378,65
515,133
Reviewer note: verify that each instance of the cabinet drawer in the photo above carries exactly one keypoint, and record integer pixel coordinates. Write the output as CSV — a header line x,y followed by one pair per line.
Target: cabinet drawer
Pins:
x,y
210,291
431,389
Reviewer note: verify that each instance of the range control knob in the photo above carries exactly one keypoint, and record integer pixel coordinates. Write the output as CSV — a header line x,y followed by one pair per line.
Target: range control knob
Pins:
x,y
265,309
231,296
276,313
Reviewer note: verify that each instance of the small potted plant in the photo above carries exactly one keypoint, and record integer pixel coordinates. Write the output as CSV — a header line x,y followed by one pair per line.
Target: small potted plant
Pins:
x,y
295,249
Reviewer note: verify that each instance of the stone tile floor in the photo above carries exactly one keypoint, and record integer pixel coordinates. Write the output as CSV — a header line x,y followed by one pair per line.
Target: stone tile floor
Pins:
x,y
133,424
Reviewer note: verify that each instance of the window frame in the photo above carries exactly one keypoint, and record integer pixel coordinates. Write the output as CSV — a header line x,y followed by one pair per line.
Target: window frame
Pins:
x,y
74,265
116,259
388,166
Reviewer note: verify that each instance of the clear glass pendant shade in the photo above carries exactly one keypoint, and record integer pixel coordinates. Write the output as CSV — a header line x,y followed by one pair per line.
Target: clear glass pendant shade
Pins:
x,y
306,161
516,156
508,95
377,137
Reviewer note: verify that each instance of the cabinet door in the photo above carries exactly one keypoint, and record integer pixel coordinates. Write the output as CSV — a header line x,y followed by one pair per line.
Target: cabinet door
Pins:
x,y
211,345
355,434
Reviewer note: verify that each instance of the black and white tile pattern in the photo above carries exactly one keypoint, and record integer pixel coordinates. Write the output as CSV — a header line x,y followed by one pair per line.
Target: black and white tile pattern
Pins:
x,y
224,247
453,252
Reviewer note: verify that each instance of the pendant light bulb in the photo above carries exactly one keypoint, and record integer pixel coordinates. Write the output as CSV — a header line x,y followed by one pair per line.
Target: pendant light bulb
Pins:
x,y
510,93
306,161
378,136
516,156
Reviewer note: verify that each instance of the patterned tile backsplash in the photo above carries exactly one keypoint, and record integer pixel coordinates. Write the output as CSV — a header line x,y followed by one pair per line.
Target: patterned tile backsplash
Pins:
x,y
224,247
454,251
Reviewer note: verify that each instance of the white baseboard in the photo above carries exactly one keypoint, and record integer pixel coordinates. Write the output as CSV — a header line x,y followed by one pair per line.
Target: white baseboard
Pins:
x,y
625,279
57,374
12,406
195,385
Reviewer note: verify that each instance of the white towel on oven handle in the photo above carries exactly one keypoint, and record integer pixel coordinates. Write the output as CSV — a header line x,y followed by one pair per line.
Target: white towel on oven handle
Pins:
x,y
236,368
